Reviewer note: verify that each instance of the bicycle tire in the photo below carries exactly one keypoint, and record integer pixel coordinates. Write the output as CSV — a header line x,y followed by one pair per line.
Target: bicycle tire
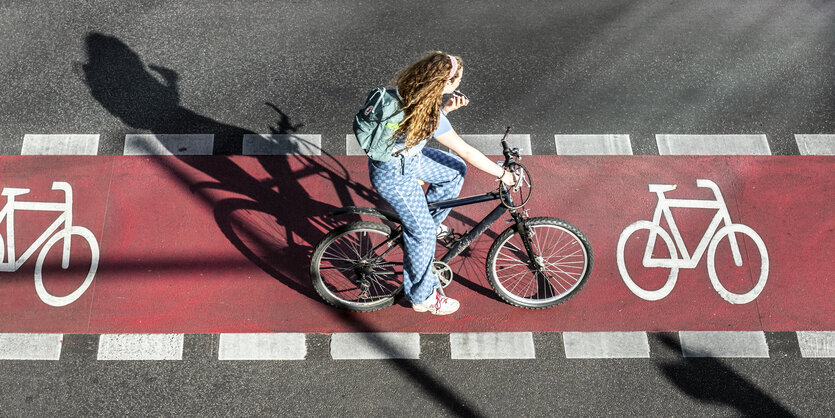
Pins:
x,y
354,268
568,264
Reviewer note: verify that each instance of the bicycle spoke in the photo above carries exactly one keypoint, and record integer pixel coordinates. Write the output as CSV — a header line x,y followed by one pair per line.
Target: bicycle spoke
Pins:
x,y
336,268
520,275
338,253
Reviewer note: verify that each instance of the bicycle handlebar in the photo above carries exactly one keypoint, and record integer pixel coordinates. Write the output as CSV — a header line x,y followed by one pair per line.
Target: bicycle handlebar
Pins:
x,y
510,154
506,150
511,163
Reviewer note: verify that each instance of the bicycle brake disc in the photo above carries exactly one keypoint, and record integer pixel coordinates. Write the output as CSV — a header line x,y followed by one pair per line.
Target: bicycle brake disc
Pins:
x,y
443,271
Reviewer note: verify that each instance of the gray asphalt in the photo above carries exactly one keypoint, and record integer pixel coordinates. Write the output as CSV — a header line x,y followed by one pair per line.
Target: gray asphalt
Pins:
x,y
638,68
546,67
551,385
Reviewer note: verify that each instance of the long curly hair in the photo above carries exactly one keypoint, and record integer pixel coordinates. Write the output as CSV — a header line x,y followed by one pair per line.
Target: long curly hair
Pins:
x,y
421,87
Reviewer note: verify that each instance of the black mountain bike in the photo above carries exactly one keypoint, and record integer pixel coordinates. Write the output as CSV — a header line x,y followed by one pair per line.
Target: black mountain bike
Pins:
x,y
535,263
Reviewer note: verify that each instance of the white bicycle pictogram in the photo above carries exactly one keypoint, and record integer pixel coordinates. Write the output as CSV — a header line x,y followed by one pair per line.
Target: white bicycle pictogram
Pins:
x,y
681,258
61,229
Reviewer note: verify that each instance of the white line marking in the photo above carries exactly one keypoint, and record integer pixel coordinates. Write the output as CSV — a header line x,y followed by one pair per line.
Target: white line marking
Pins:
x,y
712,145
488,144
140,347
30,346
723,344
816,344
352,145
382,345
593,144
816,144
261,144
279,346
606,344
60,144
491,345
169,144
491,144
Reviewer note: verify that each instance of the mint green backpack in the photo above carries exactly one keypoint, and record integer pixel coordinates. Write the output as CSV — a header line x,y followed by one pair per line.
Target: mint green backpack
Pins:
x,y
376,123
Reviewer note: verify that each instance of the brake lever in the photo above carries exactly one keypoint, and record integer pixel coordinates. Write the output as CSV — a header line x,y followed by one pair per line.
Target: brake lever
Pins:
x,y
521,173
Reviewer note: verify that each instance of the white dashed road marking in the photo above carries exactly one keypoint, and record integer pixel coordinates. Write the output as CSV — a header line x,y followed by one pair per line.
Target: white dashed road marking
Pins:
x,y
487,144
169,144
816,144
713,145
367,346
140,347
30,346
382,346
491,345
606,345
282,144
491,144
593,144
723,344
60,144
352,145
817,344
264,346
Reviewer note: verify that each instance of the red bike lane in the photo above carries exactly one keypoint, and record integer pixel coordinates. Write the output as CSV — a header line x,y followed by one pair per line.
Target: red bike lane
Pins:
x,y
208,244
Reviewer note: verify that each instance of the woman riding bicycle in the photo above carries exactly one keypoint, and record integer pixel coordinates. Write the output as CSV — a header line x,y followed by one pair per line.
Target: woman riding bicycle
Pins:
x,y
421,87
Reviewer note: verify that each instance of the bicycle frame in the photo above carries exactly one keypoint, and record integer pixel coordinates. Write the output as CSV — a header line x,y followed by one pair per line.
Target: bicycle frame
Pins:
x,y
461,244
663,208
12,205
482,227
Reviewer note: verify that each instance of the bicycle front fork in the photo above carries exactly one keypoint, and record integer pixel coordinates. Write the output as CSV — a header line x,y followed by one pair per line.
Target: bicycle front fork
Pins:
x,y
525,233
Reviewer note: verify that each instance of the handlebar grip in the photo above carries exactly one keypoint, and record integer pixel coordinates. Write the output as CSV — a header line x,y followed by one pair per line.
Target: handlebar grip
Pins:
x,y
504,138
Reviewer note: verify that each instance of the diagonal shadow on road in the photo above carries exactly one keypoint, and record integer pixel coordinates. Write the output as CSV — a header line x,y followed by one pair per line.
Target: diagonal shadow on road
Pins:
x,y
265,222
708,380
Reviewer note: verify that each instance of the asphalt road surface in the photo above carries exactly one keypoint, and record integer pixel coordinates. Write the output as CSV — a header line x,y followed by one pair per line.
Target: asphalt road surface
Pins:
x,y
609,67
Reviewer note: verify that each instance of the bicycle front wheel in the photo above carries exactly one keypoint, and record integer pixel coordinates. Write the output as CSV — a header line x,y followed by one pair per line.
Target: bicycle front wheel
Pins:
x,y
358,267
560,266
92,245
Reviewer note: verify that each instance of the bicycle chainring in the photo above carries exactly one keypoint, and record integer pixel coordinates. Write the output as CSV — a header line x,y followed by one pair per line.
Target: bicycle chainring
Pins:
x,y
443,271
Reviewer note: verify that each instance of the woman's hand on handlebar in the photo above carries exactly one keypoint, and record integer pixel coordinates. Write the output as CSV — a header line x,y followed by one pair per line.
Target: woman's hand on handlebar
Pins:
x,y
508,178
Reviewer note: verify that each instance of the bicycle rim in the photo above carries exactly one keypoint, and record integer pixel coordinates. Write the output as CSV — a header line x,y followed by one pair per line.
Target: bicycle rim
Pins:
x,y
357,267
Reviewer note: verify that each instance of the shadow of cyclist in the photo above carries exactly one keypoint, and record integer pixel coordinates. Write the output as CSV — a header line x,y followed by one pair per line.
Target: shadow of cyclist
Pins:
x,y
269,220
257,222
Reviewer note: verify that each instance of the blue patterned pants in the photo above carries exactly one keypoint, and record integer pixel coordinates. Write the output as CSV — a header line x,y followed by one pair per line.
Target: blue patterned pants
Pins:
x,y
399,187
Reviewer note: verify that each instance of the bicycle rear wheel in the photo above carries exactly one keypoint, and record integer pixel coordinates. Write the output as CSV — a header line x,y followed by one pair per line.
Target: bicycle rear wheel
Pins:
x,y
560,267
358,267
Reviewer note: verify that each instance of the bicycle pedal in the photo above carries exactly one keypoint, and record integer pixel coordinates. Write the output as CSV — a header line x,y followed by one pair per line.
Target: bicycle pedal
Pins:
x,y
451,239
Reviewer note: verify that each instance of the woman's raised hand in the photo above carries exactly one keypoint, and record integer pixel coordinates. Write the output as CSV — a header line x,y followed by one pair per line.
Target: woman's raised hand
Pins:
x,y
455,102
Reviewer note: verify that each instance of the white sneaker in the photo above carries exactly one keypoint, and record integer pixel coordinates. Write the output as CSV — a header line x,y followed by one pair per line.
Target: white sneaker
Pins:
x,y
437,304
443,231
